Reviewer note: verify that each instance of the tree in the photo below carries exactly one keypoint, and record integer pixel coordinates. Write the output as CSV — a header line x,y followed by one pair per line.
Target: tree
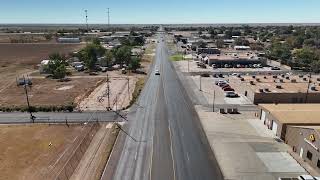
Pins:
x,y
202,44
89,56
241,42
57,66
315,66
123,55
107,61
279,51
134,64
305,56
220,43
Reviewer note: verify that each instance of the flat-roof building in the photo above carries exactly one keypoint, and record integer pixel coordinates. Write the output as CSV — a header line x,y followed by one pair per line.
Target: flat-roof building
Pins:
x,y
305,141
277,117
234,59
278,88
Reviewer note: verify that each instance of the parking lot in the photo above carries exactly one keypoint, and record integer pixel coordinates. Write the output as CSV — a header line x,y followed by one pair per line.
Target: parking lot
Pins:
x,y
192,67
215,93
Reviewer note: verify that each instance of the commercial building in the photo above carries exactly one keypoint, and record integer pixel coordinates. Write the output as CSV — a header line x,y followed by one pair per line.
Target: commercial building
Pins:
x,y
305,141
208,51
278,89
69,40
234,59
278,117
242,48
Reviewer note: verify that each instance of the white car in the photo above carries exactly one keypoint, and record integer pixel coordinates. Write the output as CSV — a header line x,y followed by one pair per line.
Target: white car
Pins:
x,y
157,72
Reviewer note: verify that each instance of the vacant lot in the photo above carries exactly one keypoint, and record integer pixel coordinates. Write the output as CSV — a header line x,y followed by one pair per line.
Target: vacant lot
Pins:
x,y
36,152
46,92
19,59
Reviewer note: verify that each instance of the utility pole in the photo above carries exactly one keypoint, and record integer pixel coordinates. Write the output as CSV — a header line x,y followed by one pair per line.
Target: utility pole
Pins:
x,y
214,97
200,84
108,91
128,88
32,118
108,17
307,94
86,11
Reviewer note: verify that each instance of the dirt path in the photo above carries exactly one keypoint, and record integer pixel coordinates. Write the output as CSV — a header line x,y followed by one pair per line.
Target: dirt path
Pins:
x,y
120,95
93,161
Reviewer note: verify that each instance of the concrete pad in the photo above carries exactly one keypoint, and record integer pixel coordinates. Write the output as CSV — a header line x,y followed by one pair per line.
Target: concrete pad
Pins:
x,y
280,162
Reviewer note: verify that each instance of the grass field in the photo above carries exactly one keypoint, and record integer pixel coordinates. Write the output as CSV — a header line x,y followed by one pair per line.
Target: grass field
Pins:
x,y
47,92
26,153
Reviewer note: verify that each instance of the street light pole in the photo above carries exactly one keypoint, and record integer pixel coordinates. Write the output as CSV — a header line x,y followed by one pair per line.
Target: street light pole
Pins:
x,y
200,84
214,97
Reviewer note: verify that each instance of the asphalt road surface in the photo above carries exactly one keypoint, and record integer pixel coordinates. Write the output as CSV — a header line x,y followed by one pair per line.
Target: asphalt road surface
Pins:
x,y
50,117
169,142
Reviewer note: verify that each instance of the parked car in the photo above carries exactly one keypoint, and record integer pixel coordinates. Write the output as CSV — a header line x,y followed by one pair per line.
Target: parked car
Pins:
x,y
231,94
157,72
221,75
306,177
222,84
220,80
228,89
225,86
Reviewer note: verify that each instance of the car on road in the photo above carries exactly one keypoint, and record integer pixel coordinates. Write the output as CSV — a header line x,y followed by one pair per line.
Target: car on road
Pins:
x,y
157,72
275,68
231,94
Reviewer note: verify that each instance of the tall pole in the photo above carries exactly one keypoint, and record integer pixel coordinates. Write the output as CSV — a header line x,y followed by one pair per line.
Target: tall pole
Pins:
x,y
86,11
214,97
27,96
108,91
128,88
307,94
108,17
200,84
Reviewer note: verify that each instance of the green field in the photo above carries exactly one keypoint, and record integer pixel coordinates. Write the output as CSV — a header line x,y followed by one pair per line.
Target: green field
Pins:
x,y
176,57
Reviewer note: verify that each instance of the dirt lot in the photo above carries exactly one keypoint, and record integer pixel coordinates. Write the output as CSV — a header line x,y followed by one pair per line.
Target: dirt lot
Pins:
x,y
26,153
18,59
45,92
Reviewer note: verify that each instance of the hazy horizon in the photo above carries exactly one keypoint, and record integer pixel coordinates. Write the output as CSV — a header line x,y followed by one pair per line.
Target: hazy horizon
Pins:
x,y
160,12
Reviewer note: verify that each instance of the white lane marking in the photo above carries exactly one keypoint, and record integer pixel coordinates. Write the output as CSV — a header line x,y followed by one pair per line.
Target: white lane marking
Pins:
x,y
174,170
188,156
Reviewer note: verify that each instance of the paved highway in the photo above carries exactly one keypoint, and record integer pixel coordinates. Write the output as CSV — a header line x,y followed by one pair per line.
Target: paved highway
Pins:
x,y
170,140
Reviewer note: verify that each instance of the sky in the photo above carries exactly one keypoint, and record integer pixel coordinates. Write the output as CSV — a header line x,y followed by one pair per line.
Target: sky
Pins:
x,y
160,11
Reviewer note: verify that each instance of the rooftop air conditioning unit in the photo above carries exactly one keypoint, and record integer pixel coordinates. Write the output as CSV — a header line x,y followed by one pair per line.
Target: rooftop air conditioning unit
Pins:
x,y
253,77
242,79
300,76
258,79
278,86
293,80
313,88
282,75
305,79
318,79
288,77
275,76
252,83
265,77
266,89
261,90
281,80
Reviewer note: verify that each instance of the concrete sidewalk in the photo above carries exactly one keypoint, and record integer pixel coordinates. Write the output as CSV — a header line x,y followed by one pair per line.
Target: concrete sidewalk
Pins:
x,y
245,150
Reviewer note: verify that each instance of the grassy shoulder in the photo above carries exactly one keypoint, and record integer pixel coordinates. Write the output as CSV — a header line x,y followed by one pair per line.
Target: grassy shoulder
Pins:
x,y
137,91
179,57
